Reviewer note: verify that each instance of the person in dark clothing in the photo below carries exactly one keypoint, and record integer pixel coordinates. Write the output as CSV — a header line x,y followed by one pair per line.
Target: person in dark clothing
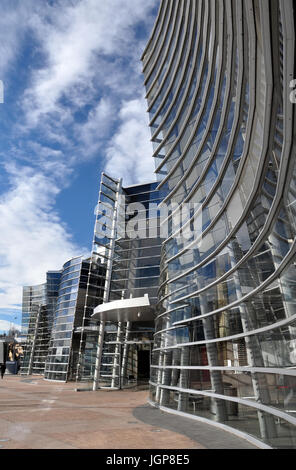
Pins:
x,y
3,369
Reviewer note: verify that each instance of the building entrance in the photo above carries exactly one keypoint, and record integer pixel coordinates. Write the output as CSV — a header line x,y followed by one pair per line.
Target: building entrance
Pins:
x,y
143,364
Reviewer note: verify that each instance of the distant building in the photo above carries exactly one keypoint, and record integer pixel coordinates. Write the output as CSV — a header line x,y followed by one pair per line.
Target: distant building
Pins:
x,y
37,320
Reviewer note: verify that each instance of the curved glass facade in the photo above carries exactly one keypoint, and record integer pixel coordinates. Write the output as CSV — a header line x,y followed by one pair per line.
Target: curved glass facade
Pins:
x,y
61,339
217,76
79,284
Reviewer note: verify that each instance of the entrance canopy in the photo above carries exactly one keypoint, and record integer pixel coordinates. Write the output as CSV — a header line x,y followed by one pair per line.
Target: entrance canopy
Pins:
x,y
132,310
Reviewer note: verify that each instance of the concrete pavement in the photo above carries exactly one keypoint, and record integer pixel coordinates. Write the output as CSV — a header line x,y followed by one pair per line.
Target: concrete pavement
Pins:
x,y
37,414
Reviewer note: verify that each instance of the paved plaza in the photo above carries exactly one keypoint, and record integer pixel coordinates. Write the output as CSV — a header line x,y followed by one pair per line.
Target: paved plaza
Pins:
x,y
36,414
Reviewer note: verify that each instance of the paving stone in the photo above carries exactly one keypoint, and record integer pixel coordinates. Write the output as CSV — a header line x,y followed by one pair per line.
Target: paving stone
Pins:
x,y
37,414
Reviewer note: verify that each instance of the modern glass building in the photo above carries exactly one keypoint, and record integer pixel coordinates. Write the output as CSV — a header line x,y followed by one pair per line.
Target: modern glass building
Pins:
x,y
127,239
37,320
218,76
78,285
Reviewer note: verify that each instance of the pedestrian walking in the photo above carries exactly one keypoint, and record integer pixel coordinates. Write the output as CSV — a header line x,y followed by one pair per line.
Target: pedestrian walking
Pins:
x,y
3,369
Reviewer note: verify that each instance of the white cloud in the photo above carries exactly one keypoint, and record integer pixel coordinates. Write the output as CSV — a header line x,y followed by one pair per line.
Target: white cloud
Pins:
x,y
7,325
74,39
33,238
13,21
97,126
92,57
129,152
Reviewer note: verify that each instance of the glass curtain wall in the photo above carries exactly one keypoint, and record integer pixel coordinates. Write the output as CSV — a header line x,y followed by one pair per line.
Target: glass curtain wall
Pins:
x,y
222,126
85,336
34,299
69,312
127,239
135,273
37,321
92,331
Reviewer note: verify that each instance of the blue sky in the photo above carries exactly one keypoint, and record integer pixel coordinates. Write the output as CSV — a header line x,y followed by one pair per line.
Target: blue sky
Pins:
x,y
73,106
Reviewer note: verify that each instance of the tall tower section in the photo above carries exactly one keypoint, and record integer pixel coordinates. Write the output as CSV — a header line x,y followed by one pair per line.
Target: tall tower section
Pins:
x,y
218,76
